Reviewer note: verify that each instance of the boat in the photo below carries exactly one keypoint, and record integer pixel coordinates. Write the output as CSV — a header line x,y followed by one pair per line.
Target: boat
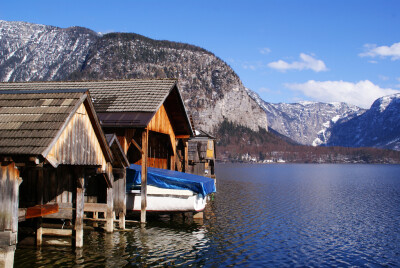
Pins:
x,y
168,190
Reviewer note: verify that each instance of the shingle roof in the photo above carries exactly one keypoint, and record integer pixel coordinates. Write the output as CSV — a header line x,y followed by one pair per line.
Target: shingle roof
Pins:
x,y
30,121
114,95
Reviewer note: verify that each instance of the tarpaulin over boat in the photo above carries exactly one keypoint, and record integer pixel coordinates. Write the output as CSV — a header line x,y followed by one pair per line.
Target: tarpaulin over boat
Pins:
x,y
169,179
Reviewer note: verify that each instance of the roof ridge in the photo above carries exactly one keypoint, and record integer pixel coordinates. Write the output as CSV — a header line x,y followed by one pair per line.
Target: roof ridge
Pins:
x,y
88,81
44,91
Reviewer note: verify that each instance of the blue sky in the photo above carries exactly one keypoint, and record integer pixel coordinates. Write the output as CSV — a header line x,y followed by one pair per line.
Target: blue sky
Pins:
x,y
286,51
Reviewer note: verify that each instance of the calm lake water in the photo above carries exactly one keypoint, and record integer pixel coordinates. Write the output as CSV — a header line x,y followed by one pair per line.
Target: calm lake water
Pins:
x,y
262,216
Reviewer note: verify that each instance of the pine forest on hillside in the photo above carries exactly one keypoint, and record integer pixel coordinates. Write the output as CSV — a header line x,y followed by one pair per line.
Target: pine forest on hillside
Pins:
x,y
237,143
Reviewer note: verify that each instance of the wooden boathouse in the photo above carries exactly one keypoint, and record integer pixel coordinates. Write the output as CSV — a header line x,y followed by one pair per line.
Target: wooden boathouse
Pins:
x,y
52,149
147,117
202,154
128,108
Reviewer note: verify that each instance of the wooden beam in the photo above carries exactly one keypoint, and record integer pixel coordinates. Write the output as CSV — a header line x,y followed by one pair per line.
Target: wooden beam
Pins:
x,y
182,136
56,232
95,207
137,146
143,189
41,210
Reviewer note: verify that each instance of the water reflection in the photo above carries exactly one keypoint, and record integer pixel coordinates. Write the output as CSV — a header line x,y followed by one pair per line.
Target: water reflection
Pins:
x,y
262,216
154,245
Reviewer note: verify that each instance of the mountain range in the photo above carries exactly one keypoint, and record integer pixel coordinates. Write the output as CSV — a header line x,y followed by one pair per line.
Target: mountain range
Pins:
x,y
212,91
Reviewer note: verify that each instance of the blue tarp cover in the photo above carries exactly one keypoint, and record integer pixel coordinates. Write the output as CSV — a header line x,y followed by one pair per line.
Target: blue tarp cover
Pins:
x,y
169,179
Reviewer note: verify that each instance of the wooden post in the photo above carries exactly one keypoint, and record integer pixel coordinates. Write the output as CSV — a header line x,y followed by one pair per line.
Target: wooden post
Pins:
x,y
122,192
95,217
186,157
39,232
9,192
143,189
7,256
121,218
39,192
110,200
79,210
109,216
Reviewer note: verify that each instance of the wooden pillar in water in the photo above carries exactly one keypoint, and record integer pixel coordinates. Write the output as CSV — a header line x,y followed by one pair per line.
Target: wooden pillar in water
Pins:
x,y
39,232
79,206
110,214
121,222
39,192
110,200
122,192
9,193
7,256
143,190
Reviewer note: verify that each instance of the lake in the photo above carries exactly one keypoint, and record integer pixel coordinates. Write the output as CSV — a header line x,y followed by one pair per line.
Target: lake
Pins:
x,y
262,216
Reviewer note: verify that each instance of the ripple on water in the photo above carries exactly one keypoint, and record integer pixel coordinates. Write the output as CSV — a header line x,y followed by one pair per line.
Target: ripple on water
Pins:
x,y
263,216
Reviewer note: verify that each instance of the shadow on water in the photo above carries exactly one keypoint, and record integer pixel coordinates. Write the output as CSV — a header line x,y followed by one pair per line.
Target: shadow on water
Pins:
x,y
262,216
160,243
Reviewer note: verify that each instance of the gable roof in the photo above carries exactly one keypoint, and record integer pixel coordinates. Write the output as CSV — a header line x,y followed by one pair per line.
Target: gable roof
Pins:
x,y
31,121
119,156
122,102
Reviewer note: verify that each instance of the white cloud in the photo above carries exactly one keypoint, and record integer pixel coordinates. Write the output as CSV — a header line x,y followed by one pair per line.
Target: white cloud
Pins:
x,y
265,50
373,51
362,94
306,62
249,67
383,77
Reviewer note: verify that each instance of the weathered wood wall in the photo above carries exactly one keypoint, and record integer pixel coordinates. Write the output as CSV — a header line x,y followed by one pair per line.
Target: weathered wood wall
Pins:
x,y
58,185
44,185
77,144
119,192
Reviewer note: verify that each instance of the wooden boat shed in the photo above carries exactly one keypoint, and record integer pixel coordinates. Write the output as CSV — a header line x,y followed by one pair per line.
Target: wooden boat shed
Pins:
x,y
51,147
148,117
202,154
128,108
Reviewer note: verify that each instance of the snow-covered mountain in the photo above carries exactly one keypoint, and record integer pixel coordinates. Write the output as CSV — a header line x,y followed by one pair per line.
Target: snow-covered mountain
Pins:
x,y
212,91
377,127
31,52
305,122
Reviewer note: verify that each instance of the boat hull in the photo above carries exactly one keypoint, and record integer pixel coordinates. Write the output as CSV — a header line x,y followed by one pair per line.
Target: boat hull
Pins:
x,y
159,199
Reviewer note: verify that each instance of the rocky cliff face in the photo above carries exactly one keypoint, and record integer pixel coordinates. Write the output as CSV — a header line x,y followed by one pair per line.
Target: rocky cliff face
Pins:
x,y
305,122
377,127
32,52
210,88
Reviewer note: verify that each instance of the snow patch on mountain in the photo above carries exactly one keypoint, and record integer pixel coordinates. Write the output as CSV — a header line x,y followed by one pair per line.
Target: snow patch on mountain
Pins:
x,y
377,127
307,121
32,52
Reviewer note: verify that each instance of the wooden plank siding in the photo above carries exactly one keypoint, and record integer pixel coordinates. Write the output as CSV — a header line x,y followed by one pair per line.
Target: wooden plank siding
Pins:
x,y
161,154
78,143
60,186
